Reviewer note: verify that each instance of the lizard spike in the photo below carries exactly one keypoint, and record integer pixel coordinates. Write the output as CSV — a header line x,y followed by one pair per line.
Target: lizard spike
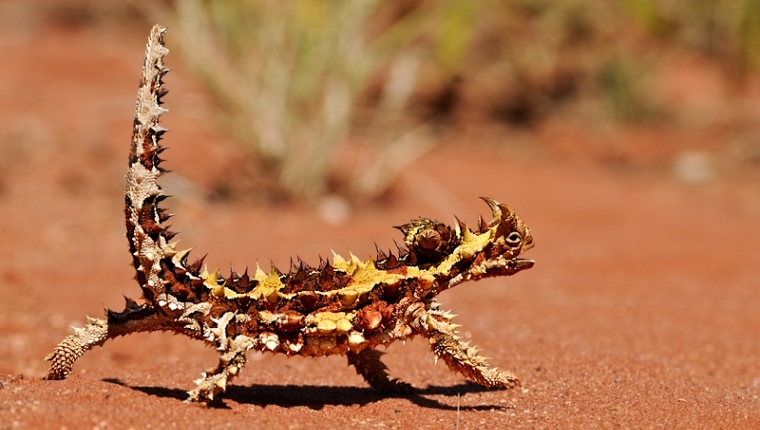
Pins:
x,y
196,266
159,99
163,216
182,256
337,259
410,259
233,275
222,383
457,227
467,235
327,268
496,208
400,250
130,304
482,226
380,254
259,273
506,212
173,245
274,269
302,265
245,279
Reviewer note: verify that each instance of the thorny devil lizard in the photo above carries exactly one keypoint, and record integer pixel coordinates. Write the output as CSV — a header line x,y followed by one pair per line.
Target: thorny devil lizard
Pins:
x,y
346,306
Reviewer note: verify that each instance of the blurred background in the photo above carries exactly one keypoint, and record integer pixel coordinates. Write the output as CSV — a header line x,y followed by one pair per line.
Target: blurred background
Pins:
x,y
329,100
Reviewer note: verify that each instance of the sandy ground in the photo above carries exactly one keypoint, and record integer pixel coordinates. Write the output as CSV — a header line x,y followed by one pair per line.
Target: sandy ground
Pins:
x,y
641,311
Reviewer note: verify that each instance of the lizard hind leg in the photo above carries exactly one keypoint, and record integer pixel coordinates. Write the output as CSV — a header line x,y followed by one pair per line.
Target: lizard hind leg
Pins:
x,y
375,372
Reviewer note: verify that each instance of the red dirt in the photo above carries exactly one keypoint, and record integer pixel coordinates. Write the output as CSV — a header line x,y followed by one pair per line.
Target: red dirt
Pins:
x,y
641,311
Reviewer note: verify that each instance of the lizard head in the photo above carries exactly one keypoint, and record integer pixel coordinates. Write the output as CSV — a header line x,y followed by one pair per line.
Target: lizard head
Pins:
x,y
509,234
459,254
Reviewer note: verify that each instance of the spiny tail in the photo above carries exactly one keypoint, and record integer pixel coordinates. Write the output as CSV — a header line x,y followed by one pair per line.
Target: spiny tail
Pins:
x,y
148,236
160,268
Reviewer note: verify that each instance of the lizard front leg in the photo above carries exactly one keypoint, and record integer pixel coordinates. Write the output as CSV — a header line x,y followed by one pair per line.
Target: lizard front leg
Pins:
x,y
460,356
232,358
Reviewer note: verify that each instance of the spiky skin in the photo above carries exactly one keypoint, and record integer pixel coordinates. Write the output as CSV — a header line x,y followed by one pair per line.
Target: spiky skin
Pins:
x,y
346,306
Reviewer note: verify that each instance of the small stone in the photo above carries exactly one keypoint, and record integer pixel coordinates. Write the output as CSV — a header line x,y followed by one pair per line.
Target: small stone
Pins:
x,y
694,167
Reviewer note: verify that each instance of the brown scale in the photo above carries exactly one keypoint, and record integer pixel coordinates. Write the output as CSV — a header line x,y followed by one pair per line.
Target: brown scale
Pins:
x,y
387,262
243,304
493,251
197,285
195,268
330,279
219,308
192,288
150,150
407,258
297,278
308,301
251,328
240,284
374,317
184,292
429,240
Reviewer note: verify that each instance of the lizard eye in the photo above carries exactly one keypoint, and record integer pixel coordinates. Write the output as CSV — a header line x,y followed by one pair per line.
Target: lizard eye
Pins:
x,y
514,239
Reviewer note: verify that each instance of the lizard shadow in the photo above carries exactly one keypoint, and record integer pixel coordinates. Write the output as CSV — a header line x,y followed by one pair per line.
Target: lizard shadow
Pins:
x,y
317,397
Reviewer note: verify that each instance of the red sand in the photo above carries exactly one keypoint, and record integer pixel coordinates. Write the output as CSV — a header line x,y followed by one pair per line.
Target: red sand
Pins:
x,y
641,311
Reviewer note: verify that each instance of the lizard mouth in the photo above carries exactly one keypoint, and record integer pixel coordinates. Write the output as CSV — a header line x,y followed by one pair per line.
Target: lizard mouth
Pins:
x,y
522,263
